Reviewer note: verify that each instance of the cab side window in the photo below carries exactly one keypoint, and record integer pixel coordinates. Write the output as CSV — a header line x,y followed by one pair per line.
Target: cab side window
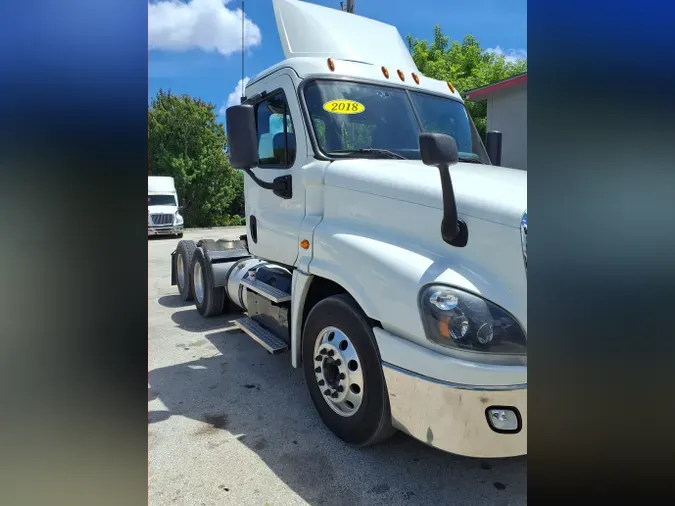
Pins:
x,y
276,138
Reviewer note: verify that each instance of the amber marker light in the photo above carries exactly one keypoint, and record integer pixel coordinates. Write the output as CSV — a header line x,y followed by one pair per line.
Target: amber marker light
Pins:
x,y
451,87
415,78
385,72
331,64
401,75
304,244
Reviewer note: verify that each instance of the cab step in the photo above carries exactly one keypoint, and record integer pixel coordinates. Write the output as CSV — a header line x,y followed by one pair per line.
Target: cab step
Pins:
x,y
261,335
267,291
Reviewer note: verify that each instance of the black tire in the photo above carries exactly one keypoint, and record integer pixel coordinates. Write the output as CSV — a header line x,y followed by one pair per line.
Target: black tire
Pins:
x,y
186,250
371,423
179,235
213,302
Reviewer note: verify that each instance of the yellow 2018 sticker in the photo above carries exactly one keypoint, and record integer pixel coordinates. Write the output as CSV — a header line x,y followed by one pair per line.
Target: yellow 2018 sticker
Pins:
x,y
343,106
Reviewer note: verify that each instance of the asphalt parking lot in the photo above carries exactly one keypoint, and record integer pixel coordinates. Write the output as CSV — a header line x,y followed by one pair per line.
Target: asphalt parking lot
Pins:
x,y
229,423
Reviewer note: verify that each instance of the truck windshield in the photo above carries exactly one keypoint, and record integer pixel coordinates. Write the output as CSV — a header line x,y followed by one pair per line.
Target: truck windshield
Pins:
x,y
161,200
353,119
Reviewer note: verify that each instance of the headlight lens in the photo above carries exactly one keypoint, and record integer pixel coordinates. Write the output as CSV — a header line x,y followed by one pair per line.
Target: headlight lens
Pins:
x,y
179,218
523,236
461,320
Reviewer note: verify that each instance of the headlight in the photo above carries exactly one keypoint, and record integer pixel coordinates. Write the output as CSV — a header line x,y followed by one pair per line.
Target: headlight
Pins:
x,y
458,319
179,218
523,236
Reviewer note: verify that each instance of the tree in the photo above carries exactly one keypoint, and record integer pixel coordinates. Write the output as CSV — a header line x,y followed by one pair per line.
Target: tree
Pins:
x,y
464,65
187,143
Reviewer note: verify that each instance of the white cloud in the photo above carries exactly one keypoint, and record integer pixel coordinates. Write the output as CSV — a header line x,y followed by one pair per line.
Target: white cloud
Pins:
x,y
510,55
198,24
234,98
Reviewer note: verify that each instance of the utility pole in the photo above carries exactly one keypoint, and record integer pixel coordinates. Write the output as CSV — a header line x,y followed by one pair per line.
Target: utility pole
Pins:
x,y
349,8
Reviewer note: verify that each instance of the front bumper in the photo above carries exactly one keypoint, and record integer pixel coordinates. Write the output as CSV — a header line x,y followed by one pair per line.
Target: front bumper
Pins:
x,y
166,230
453,417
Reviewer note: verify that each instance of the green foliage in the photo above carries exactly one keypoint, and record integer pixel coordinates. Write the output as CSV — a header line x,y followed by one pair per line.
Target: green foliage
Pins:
x,y
187,143
357,135
463,64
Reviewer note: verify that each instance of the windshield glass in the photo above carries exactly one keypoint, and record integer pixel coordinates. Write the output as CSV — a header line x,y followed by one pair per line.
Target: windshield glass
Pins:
x,y
162,200
356,119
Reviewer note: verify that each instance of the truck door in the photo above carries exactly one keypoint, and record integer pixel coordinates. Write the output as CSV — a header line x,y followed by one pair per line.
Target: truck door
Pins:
x,y
273,222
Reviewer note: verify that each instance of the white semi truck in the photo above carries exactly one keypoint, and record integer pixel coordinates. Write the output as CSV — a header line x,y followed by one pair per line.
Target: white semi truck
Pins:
x,y
383,250
164,216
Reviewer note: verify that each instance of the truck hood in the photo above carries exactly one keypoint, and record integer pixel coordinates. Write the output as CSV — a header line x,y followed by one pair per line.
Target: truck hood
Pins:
x,y
486,192
162,209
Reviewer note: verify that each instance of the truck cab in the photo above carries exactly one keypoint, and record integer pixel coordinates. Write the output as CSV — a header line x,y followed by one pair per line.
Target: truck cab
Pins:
x,y
384,250
163,210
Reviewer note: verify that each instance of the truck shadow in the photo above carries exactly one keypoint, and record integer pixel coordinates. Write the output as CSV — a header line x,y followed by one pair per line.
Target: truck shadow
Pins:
x,y
259,398
190,320
174,301
161,237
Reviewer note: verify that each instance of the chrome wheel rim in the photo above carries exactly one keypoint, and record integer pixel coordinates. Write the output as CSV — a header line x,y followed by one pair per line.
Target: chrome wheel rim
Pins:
x,y
180,270
337,371
199,283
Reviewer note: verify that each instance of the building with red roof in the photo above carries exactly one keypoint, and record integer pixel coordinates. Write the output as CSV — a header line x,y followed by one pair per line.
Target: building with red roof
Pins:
x,y
507,112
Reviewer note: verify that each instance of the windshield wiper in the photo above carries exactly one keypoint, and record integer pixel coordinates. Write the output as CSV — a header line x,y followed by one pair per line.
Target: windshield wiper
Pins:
x,y
375,151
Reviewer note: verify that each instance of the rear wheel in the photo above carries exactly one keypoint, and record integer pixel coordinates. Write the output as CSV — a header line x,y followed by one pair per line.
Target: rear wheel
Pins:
x,y
185,251
209,299
343,372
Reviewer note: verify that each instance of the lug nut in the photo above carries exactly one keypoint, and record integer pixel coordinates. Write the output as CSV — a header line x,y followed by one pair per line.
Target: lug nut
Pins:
x,y
321,383
338,362
318,369
342,375
334,396
323,352
331,353
318,358
340,388
326,392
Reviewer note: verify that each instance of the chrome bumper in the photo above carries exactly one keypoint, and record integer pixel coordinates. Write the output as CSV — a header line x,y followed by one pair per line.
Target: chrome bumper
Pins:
x,y
453,417
167,230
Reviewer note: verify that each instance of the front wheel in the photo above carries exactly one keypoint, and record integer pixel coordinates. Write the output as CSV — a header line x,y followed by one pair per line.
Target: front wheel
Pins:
x,y
343,372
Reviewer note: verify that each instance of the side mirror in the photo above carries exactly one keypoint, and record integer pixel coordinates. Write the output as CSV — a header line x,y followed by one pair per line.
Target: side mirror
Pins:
x,y
242,139
494,146
440,150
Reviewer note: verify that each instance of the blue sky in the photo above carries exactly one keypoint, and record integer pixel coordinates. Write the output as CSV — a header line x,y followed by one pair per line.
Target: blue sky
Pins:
x,y
195,45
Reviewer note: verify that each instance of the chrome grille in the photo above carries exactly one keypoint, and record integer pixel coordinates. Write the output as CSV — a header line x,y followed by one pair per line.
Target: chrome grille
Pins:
x,y
162,219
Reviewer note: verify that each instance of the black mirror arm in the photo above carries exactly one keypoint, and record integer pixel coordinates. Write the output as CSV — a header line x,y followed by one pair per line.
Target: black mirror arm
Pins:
x,y
453,230
449,228
281,186
260,182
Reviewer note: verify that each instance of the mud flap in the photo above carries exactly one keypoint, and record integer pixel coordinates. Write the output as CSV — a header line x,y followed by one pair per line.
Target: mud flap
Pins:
x,y
173,267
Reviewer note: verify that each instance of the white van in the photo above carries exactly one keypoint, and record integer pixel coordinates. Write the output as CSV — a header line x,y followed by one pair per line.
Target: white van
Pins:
x,y
163,211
